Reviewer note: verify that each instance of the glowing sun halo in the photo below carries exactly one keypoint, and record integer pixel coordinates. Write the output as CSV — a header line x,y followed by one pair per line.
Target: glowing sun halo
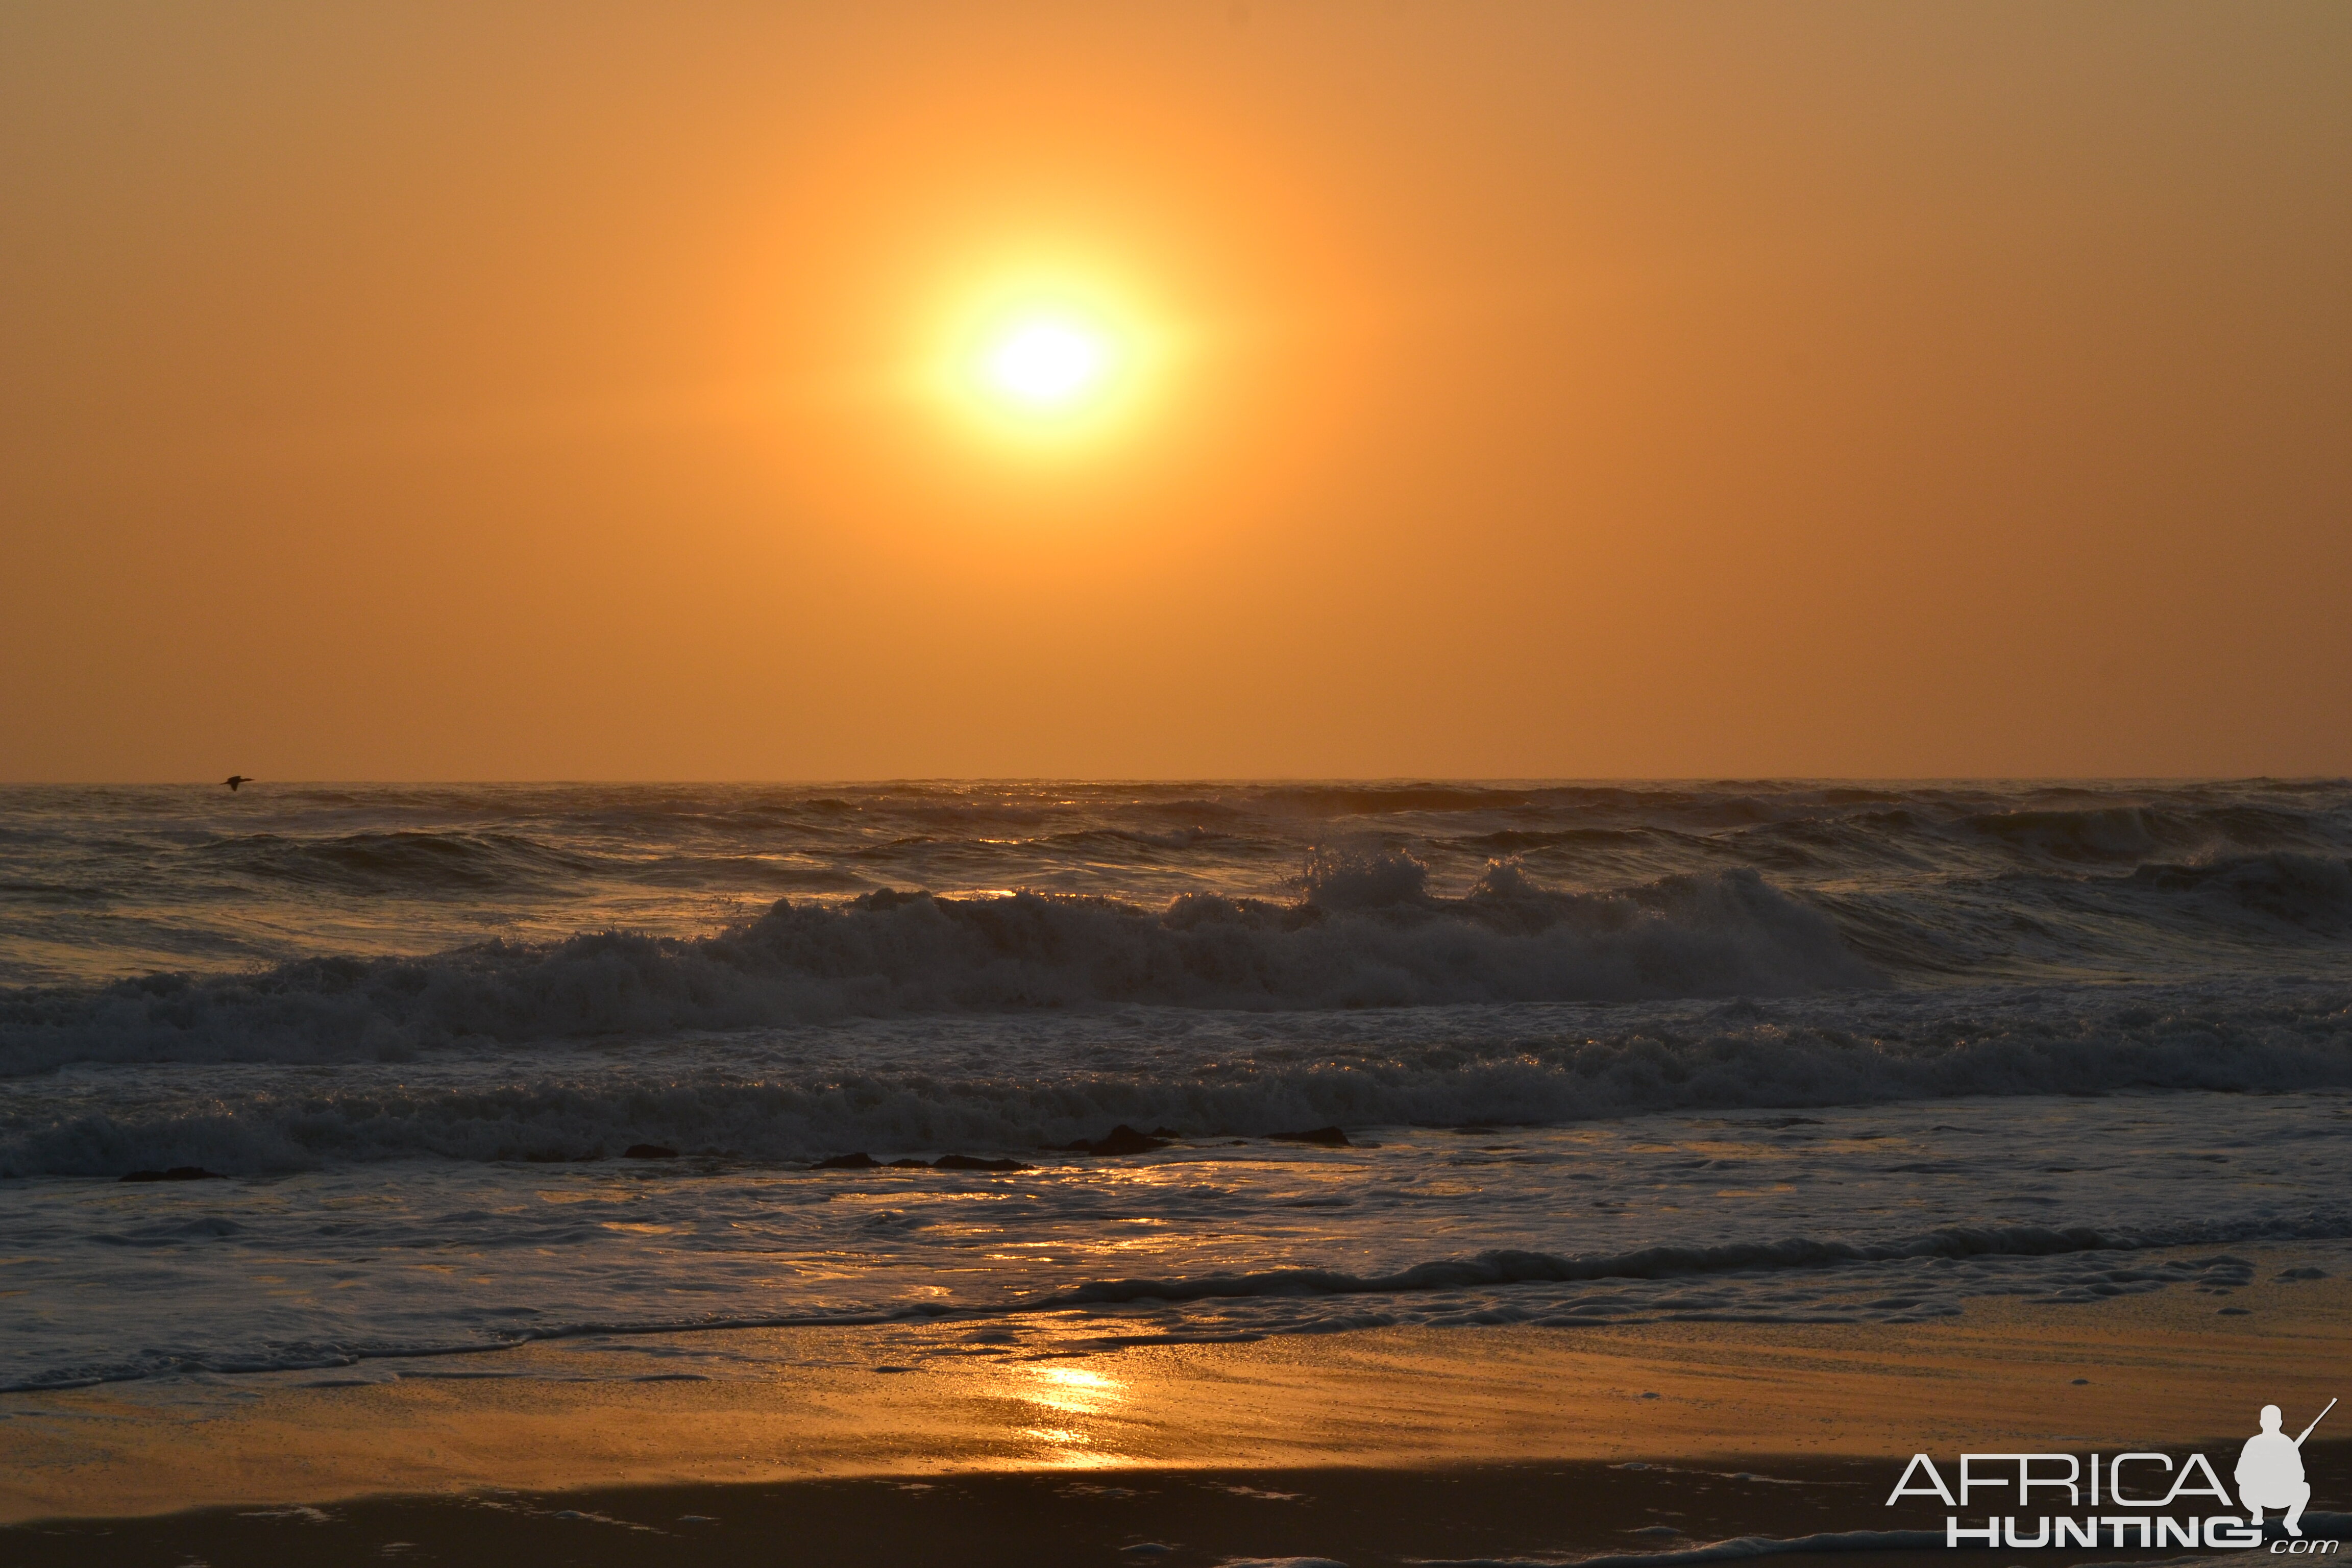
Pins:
x,y
1046,364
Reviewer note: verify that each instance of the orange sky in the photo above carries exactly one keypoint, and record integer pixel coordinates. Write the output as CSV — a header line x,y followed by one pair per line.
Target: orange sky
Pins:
x,y
480,391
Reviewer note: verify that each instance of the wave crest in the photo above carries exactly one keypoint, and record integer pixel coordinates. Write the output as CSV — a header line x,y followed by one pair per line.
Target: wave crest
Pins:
x,y
1366,937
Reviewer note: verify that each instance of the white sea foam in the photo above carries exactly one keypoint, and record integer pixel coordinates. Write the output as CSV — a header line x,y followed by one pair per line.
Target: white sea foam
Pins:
x,y
120,882
1382,943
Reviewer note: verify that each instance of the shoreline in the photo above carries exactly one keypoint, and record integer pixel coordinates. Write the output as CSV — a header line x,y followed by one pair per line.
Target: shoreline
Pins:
x,y
1598,1513
872,1408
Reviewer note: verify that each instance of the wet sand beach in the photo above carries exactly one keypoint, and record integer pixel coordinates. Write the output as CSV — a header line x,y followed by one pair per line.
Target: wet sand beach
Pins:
x,y
1536,1513
1381,1445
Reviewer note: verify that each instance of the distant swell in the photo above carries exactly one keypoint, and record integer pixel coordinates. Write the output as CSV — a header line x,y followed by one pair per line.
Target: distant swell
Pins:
x,y
1367,935
396,863
2311,891
2134,832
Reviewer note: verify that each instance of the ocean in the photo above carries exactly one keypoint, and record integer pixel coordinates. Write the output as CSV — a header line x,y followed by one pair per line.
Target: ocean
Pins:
x,y
1744,1051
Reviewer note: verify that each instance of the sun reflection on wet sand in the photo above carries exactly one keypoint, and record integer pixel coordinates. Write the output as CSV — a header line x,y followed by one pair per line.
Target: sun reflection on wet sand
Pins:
x,y
1074,1408
785,1403
1078,1388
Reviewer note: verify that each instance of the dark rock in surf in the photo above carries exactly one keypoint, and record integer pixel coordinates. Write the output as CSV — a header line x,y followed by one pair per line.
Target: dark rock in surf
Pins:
x,y
1329,1137
1166,1132
647,1152
1121,1140
858,1161
176,1173
972,1162
909,1165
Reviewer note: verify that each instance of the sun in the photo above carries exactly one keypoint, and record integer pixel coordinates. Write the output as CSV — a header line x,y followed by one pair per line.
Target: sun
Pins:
x,y
1047,362
1050,361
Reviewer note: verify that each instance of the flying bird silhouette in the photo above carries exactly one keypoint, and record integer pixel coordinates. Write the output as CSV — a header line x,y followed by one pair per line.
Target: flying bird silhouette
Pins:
x,y
234,779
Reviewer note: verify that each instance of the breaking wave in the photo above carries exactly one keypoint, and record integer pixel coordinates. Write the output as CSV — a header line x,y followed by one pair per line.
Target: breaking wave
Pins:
x,y
1366,933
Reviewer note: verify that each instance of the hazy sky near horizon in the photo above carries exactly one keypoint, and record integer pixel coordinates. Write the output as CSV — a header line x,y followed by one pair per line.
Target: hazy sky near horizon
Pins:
x,y
526,391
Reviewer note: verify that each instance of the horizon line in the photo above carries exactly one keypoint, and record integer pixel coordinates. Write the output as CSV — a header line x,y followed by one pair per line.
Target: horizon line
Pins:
x,y
1105,780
